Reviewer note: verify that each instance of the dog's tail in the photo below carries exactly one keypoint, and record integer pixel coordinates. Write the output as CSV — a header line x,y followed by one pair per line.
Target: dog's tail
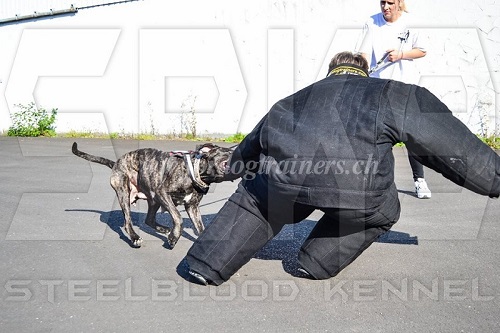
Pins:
x,y
91,158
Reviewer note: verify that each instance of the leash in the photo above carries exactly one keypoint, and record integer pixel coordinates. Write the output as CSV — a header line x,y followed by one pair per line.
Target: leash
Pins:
x,y
377,65
403,38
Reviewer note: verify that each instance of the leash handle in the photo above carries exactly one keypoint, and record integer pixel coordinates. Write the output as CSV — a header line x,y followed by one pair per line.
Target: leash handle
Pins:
x,y
377,65
403,38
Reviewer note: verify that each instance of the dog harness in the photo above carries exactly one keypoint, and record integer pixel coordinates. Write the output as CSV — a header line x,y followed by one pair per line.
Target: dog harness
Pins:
x,y
193,169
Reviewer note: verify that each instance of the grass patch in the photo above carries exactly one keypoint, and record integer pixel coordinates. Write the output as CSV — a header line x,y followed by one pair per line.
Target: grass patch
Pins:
x,y
492,141
236,138
30,121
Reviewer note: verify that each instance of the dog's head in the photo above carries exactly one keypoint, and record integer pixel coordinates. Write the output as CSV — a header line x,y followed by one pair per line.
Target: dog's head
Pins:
x,y
213,162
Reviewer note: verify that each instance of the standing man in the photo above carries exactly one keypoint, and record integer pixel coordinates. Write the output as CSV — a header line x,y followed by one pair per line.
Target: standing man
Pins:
x,y
390,46
329,147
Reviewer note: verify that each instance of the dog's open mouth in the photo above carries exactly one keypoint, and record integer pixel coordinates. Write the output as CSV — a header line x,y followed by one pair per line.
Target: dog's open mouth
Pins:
x,y
222,166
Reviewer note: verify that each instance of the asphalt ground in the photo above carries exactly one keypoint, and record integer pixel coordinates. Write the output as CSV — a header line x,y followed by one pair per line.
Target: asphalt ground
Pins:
x,y
66,264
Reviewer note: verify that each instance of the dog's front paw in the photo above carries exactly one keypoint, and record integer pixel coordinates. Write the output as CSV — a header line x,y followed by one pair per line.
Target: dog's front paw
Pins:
x,y
172,240
137,243
198,231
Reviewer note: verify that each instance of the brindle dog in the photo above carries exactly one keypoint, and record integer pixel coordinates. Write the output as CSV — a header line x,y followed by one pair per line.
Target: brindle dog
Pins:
x,y
164,180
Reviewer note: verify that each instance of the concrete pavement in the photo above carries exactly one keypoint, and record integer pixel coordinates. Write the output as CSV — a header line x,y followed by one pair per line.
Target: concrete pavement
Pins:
x,y
67,265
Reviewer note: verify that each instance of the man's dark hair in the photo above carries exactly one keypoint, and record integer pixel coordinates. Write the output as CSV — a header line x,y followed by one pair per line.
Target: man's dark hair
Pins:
x,y
348,58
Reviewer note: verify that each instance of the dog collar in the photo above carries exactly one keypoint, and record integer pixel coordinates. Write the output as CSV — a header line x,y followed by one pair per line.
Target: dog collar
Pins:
x,y
193,170
348,69
194,173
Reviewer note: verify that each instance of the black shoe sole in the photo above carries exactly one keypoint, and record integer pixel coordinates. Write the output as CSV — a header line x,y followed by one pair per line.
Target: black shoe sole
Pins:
x,y
198,277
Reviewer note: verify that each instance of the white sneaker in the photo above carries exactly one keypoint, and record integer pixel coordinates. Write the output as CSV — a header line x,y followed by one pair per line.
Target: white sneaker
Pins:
x,y
422,189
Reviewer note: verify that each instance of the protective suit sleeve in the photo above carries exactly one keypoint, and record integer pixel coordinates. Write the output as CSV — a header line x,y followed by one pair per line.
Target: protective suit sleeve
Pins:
x,y
245,158
443,143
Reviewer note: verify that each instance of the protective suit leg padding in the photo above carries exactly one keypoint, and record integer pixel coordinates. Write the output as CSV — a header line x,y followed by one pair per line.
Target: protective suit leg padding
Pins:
x,y
324,257
230,240
340,236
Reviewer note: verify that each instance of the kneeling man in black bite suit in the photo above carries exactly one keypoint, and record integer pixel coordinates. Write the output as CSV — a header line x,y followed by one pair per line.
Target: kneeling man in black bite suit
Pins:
x,y
328,147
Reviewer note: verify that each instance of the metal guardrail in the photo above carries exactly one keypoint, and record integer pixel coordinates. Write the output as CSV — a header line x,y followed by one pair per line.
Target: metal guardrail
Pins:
x,y
35,15
72,10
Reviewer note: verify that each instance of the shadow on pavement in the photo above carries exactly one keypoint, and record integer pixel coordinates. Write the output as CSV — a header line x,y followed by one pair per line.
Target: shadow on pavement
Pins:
x,y
114,219
284,247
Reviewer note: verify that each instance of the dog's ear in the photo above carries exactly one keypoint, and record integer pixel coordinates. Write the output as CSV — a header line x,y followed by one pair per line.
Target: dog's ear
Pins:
x,y
205,148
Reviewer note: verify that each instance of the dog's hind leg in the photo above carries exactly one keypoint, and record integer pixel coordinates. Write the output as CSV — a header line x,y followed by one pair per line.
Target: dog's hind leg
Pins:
x,y
153,207
121,186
